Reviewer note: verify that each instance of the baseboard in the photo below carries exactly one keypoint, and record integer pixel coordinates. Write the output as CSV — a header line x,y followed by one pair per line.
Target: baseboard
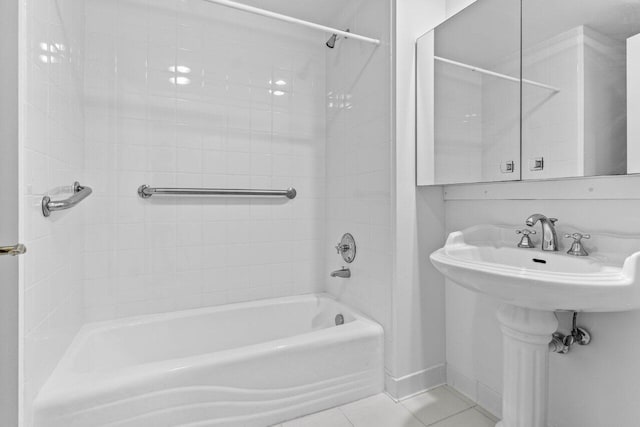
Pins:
x,y
475,390
418,382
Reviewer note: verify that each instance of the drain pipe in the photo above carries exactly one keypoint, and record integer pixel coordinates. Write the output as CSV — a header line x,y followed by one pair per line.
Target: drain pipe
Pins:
x,y
561,343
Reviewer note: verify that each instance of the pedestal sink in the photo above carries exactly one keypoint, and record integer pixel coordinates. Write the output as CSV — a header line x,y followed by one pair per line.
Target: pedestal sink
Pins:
x,y
533,284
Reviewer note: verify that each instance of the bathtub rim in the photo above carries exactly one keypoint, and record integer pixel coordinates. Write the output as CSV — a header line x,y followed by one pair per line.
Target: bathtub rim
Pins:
x,y
141,319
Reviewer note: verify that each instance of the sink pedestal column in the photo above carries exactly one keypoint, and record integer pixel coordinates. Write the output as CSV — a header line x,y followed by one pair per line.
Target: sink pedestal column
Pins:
x,y
526,334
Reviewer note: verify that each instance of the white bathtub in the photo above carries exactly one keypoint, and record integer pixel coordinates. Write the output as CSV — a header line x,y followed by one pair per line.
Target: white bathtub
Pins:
x,y
248,364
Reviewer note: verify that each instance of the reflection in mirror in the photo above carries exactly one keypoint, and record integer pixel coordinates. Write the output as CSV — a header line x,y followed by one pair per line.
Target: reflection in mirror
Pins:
x,y
469,96
588,51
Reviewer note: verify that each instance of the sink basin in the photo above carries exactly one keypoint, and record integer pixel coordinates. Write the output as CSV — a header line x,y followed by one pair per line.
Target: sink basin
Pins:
x,y
533,284
486,259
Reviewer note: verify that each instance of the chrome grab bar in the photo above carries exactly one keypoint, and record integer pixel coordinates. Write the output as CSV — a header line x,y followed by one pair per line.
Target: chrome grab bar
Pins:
x,y
145,192
14,250
79,194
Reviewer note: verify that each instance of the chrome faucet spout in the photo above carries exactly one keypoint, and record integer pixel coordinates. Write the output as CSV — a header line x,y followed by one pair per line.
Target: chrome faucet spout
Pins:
x,y
549,236
533,219
344,273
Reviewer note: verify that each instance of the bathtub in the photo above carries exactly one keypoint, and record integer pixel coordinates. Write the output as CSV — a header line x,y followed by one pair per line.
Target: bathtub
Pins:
x,y
247,364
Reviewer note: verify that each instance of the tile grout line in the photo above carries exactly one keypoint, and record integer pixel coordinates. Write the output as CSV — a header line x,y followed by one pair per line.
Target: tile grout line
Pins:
x,y
396,403
346,416
453,415
414,416
472,406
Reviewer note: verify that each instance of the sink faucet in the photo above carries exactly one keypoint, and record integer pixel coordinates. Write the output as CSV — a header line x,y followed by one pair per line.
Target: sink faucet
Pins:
x,y
549,236
344,272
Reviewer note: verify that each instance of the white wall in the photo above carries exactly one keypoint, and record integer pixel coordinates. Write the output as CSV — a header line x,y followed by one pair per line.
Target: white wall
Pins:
x,y
227,128
359,167
417,358
52,158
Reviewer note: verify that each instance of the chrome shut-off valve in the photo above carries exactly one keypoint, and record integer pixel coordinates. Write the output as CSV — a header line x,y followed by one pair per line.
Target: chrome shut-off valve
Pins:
x,y
561,343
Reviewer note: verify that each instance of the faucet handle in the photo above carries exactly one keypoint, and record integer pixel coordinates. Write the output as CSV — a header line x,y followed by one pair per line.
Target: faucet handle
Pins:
x,y
576,247
577,236
526,242
553,220
340,248
526,232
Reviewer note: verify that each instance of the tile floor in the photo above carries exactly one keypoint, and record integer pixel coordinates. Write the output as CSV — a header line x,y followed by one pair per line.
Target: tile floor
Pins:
x,y
440,407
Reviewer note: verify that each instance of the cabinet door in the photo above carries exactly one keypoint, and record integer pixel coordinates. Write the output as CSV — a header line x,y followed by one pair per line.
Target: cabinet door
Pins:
x,y
579,62
468,122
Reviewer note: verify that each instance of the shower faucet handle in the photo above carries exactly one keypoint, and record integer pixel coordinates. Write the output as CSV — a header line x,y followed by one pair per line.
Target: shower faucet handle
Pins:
x,y
341,248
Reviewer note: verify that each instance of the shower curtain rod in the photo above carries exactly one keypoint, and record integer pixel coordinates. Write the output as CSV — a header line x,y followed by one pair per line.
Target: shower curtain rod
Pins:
x,y
494,74
262,12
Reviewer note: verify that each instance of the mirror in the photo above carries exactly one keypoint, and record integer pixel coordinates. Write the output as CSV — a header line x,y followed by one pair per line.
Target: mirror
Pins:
x,y
580,54
471,65
548,100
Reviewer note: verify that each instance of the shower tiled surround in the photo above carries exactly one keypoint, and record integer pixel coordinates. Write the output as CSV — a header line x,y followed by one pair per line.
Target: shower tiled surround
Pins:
x,y
185,93
190,94
52,157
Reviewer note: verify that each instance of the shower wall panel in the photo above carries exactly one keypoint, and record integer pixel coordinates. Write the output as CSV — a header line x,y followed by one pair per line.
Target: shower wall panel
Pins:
x,y
191,94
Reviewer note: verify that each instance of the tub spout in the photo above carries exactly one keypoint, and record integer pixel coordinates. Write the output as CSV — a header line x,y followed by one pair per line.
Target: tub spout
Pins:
x,y
344,272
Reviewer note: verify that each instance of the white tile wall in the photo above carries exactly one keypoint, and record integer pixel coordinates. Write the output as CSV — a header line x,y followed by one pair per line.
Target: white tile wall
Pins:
x,y
359,173
52,155
248,114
